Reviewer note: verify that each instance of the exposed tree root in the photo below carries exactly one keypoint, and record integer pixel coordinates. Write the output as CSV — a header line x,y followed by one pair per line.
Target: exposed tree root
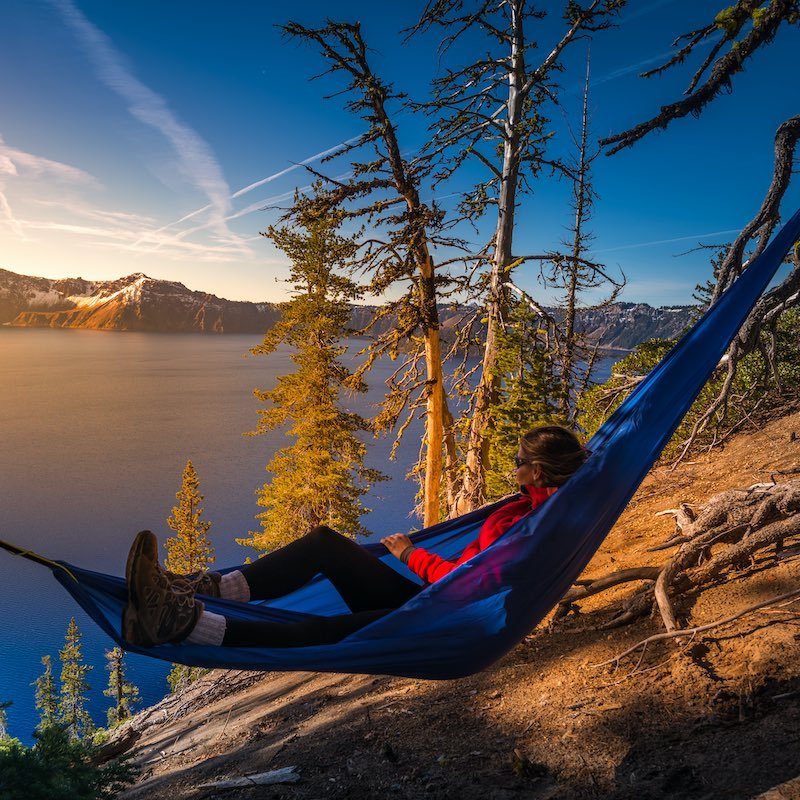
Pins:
x,y
587,588
700,628
723,535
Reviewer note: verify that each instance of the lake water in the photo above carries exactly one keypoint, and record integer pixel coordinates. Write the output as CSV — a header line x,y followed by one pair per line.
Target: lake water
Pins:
x,y
95,430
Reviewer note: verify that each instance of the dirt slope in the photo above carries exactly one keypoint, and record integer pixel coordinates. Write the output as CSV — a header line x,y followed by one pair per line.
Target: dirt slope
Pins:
x,y
718,717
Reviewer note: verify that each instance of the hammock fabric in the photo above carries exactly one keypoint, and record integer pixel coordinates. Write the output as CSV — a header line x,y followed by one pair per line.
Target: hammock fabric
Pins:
x,y
471,617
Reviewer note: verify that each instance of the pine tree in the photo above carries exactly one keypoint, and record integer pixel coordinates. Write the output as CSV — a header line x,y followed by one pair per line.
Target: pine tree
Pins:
x,y
190,550
739,31
125,694
46,695
321,478
528,392
181,676
72,711
385,191
577,275
58,767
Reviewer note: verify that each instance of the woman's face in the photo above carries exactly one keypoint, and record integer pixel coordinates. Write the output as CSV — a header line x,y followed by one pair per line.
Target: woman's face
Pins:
x,y
527,474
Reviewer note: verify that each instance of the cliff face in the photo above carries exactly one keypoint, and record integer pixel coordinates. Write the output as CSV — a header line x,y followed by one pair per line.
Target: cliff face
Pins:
x,y
625,325
140,303
21,292
133,303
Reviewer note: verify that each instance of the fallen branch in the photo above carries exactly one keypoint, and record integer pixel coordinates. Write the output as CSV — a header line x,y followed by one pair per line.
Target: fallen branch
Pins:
x,y
773,533
283,775
727,517
684,515
116,747
613,579
723,534
673,542
792,471
638,606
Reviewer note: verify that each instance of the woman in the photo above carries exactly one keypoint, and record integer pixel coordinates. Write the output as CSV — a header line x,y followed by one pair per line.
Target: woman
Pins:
x,y
163,607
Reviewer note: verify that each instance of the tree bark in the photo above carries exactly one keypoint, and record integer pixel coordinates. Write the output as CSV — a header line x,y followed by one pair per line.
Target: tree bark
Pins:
x,y
473,488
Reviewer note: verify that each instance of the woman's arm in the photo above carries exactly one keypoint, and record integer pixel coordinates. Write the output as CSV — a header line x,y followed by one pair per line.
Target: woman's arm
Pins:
x,y
399,545
428,566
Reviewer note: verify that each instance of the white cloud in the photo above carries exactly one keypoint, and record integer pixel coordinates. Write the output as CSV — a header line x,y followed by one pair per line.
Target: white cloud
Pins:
x,y
195,158
126,236
7,216
97,213
664,291
123,231
18,165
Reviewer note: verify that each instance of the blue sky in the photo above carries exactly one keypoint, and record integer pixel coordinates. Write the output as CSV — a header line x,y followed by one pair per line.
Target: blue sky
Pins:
x,y
149,137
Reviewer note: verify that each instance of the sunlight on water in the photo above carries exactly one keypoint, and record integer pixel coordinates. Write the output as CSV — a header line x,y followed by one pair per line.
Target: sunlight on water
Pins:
x,y
95,430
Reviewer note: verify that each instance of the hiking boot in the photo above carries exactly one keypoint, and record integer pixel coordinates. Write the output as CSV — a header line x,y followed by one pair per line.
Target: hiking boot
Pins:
x,y
160,609
145,543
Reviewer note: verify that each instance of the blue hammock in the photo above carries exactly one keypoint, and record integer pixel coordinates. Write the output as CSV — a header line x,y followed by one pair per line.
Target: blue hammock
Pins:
x,y
478,612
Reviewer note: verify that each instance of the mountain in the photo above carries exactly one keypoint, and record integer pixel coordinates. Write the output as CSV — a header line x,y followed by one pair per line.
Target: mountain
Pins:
x,y
140,303
623,326
133,303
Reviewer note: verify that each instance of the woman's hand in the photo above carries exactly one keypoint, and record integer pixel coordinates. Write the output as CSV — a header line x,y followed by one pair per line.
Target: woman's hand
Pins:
x,y
396,543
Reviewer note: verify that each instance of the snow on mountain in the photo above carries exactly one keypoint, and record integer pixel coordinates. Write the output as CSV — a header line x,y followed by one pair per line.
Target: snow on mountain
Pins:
x,y
133,303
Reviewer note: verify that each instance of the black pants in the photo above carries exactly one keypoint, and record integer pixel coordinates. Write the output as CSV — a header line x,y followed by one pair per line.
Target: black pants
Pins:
x,y
368,586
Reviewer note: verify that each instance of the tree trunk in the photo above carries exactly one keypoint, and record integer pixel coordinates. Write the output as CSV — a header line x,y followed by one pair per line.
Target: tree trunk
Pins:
x,y
473,487
579,188
438,420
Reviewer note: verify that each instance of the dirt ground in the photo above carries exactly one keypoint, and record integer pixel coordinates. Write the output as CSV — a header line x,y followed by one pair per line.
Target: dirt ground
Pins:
x,y
715,717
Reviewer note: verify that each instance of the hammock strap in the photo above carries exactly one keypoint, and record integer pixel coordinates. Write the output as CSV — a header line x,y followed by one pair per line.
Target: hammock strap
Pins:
x,y
31,556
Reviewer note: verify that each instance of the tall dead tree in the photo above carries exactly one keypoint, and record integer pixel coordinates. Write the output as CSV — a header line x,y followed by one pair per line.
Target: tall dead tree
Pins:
x,y
575,274
384,193
743,28
492,110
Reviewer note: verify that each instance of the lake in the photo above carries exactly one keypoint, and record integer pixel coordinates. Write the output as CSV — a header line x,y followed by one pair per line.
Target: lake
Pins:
x,y
95,430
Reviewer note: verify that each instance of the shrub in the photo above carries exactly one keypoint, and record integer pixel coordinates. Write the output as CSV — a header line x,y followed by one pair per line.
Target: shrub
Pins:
x,y
57,767
754,386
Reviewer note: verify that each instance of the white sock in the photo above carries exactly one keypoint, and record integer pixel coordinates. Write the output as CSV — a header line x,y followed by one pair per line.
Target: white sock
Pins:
x,y
210,629
234,586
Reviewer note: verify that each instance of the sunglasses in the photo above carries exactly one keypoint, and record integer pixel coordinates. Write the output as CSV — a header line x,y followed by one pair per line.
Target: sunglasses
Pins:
x,y
519,462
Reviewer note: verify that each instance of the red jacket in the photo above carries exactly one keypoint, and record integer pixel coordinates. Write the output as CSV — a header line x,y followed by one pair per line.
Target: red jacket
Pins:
x,y
431,567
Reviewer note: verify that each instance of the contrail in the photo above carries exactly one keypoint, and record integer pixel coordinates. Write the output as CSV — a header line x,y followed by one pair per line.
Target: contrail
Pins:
x,y
640,12
256,184
667,241
194,156
309,160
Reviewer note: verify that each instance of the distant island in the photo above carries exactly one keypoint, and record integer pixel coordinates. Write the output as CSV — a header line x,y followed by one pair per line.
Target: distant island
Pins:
x,y
140,303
